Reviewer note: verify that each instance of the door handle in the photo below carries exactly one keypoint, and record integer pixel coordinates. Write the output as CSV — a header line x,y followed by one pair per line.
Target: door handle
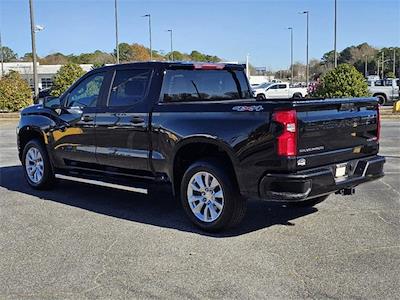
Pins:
x,y
137,120
87,118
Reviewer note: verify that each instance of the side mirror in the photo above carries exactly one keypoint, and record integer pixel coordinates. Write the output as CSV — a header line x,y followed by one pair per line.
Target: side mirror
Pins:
x,y
52,102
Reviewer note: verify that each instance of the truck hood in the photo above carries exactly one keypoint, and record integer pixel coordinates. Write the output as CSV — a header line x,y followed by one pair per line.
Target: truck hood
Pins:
x,y
32,109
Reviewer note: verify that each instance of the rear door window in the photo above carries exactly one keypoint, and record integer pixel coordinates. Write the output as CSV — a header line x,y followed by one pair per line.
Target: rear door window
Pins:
x,y
129,87
204,85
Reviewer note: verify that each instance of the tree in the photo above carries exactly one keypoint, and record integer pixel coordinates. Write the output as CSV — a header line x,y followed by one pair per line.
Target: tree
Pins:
x,y
140,52
65,77
317,68
15,92
55,59
125,52
27,56
328,59
389,74
8,54
344,81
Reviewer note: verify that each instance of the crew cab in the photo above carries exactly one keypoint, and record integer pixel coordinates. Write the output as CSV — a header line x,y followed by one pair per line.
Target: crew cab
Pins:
x,y
280,90
197,127
386,90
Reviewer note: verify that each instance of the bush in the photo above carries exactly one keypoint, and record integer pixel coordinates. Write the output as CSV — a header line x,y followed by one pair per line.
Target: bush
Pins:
x,y
15,92
65,77
343,81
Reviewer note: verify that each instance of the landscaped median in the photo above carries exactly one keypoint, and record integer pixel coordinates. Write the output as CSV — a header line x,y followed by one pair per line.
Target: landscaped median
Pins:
x,y
391,112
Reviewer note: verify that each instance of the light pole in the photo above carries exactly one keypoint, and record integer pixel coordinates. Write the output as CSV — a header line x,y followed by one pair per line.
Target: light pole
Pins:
x,y
377,67
116,30
172,50
2,58
334,38
291,54
394,62
34,58
366,66
306,12
151,50
247,67
383,63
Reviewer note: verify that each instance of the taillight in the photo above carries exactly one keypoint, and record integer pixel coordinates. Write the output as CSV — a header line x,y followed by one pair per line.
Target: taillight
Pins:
x,y
378,123
287,140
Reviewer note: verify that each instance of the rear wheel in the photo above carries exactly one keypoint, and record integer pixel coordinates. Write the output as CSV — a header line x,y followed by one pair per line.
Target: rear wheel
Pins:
x,y
309,202
381,99
297,96
260,97
37,168
209,196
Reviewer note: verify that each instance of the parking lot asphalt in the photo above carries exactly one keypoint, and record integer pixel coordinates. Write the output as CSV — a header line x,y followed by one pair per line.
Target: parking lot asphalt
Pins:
x,y
84,242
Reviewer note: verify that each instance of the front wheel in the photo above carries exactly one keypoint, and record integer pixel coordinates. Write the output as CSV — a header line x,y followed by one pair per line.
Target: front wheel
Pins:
x,y
209,196
37,168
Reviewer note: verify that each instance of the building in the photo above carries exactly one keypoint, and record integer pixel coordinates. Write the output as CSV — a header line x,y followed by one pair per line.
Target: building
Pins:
x,y
46,73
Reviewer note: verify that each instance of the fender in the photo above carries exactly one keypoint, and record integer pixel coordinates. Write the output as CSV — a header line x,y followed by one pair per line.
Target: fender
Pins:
x,y
37,123
204,139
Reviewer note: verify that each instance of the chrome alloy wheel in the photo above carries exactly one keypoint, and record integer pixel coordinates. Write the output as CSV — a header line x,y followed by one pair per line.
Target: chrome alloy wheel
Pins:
x,y
34,165
205,196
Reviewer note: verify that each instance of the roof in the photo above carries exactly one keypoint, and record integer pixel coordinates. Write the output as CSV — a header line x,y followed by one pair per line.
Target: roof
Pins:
x,y
177,64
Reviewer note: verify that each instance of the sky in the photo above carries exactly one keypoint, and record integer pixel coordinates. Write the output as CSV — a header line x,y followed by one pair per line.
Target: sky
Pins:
x,y
229,29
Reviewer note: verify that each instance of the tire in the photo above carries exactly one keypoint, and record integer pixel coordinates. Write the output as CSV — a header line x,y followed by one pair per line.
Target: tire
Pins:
x,y
297,96
381,99
210,211
35,155
260,97
310,202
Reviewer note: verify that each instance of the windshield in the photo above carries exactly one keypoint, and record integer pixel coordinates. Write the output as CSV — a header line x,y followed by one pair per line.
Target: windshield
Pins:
x,y
204,85
264,85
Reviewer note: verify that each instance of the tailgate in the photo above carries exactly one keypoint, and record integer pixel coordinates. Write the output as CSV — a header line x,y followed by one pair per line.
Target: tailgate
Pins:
x,y
336,130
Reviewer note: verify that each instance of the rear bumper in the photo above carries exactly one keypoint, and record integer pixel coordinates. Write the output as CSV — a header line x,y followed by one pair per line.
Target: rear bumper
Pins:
x,y
321,181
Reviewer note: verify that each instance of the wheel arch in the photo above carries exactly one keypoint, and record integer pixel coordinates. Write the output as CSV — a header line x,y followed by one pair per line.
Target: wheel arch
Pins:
x,y
28,133
196,148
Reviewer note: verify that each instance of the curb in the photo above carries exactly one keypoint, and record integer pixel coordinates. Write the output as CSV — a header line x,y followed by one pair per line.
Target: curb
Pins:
x,y
12,115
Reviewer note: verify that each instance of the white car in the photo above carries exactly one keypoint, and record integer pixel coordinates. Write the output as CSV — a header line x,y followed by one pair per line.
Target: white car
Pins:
x,y
386,90
279,90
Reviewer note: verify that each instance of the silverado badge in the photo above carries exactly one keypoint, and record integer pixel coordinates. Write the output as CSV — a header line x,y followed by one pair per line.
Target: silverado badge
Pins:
x,y
248,108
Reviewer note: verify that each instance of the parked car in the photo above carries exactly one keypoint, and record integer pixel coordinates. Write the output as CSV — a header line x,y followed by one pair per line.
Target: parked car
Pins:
x,y
197,128
386,90
281,90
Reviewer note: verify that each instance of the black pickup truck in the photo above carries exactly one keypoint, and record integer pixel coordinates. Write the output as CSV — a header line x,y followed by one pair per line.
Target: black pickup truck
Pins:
x,y
198,127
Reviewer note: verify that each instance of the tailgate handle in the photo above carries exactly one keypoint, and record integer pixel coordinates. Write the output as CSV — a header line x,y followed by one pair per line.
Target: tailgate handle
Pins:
x,y
347,106
137,121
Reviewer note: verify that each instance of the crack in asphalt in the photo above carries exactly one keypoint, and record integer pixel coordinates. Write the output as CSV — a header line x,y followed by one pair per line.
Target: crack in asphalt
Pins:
x,y
103,268
391,188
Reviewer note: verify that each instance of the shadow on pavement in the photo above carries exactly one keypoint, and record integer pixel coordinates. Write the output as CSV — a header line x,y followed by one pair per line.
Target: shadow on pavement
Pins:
x,y
158,209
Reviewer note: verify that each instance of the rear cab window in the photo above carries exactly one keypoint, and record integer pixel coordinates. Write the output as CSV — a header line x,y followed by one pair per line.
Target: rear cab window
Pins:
x,y
180,85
